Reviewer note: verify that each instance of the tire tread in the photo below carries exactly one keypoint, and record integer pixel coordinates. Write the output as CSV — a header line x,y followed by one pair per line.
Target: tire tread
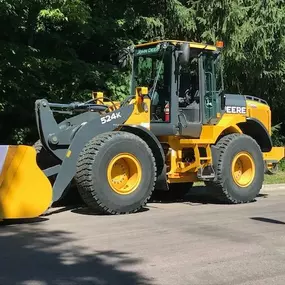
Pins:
x,y
84,170
220,191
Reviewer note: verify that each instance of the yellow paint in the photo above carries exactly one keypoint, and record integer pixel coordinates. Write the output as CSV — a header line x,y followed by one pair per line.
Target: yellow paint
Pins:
x,y
124,173
68,153
185,167
142,91
99,99
97,95
243,169
210,133
181,171
178,169
25,191
141,112
276,154
261,112
184,171
175,42
182,177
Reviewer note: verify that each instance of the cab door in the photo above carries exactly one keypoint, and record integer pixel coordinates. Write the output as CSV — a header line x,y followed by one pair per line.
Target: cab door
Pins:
x,y
208,85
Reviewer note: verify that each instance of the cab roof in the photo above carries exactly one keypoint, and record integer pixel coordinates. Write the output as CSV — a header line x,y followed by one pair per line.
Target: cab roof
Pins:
x,y
175,42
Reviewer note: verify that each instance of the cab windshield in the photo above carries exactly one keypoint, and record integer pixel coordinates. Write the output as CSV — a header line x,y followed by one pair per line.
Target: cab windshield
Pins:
x,y
151,69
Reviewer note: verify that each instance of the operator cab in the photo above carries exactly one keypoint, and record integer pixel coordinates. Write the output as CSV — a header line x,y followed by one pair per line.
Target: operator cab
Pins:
x,y
152,68
185,85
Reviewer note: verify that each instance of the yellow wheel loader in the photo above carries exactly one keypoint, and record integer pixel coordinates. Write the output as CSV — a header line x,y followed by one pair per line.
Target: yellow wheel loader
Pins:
x,y
177,126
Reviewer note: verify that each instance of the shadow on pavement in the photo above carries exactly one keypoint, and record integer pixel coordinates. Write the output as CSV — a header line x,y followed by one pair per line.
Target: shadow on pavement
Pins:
x,y
86,211
199,195
31,255
189,199
58,210
196,196
267,220
21,221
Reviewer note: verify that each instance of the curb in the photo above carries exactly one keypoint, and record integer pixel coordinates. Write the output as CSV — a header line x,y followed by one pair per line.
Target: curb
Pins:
x,y
272,187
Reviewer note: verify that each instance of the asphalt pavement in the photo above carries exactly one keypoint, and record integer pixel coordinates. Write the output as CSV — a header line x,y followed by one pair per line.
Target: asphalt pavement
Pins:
x,y
196,241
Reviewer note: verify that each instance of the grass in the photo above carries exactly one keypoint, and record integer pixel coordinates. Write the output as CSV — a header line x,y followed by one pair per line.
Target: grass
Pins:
x,y
277,178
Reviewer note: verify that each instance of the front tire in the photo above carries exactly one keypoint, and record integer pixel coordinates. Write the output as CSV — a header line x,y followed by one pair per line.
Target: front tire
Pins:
x,y
116,173
239,169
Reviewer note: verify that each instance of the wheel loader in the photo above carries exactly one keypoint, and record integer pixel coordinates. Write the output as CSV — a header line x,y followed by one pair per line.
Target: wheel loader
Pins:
x,y
177,126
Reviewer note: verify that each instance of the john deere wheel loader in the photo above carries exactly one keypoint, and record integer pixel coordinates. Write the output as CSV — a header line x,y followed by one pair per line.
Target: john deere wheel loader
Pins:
x,y
177,126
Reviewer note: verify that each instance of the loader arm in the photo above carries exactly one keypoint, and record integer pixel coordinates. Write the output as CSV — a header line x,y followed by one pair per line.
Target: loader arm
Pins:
x,y
67,139
57,137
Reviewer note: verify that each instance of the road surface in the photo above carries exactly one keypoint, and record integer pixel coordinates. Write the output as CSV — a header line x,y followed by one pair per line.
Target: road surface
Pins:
x,y
187,243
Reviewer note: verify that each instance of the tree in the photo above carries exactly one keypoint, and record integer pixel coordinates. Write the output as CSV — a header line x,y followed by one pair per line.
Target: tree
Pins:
x,y
64,49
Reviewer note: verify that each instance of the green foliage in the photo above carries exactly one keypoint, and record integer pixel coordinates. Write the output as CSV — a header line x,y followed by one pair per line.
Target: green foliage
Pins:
x,y
62,49
278,139
281,165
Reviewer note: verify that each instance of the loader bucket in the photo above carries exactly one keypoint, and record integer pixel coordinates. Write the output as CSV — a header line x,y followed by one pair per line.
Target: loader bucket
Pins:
x,y
25,191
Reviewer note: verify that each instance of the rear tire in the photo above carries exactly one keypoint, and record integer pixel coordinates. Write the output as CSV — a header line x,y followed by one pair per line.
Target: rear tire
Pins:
x,y
99,185
239,170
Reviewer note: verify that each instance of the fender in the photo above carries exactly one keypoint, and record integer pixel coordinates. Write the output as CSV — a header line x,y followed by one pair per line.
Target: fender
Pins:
x,y
254,128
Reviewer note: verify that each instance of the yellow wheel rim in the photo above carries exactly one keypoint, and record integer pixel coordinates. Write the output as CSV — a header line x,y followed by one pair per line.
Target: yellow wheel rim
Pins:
x,y
243,169
124,173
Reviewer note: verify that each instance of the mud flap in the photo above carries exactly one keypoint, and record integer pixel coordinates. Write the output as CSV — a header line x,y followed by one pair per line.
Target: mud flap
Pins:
x,y
25,191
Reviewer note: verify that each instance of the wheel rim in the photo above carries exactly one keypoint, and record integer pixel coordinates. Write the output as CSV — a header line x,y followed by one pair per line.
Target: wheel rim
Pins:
x,y
124,173
243,169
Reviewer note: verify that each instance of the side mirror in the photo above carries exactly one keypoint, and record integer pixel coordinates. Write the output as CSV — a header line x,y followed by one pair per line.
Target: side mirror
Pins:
x,y
124,56
122,59
123,62
184,53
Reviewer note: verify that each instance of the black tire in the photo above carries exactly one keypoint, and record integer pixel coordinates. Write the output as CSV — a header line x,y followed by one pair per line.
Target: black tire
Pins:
x,y
176,192
225,188
92,180
45,160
